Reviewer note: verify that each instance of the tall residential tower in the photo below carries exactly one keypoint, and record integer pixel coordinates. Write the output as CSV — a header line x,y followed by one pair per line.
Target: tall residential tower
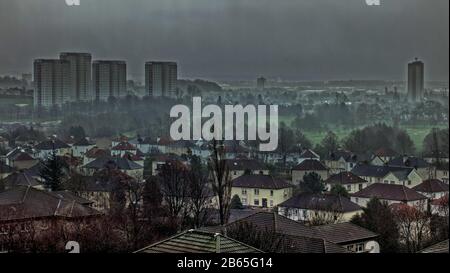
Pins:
x,y
109,79
80,74
161,79
416,83
51,82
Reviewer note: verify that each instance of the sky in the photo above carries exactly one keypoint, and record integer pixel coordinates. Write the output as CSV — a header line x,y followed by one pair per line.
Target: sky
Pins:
x,y
235,39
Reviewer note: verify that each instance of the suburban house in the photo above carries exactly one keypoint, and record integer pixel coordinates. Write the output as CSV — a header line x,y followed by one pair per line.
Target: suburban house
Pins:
x,y
423,168
80,147
432,188
440,206
308,166
123,164
94,153
26,210
351,182
389,193
382,156
196,241
319,208
20,158
240,167
441,173
257,190
388,174
296,237
123,148
441,247
341,160
47,147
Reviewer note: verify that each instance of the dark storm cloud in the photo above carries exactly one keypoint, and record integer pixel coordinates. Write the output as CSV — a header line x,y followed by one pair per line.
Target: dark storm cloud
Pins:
x,y
223,39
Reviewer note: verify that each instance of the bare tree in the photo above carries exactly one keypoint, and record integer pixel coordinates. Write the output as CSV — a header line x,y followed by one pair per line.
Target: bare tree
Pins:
x,y
414,225
220,179
199,193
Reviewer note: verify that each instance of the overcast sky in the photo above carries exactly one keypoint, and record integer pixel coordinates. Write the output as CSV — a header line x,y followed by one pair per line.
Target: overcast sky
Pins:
x,y
235,39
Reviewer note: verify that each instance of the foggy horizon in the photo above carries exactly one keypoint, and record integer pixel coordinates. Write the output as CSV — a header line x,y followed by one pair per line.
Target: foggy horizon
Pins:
x,y
235,40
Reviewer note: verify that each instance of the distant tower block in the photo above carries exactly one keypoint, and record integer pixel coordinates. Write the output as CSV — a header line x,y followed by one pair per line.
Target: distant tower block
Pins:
x,y
261,83
161,79
416,83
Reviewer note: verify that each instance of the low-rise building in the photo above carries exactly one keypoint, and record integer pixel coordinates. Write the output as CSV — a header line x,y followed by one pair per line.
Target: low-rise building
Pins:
x,y
432,188
319,208
259,190
389,193
308,166
351,182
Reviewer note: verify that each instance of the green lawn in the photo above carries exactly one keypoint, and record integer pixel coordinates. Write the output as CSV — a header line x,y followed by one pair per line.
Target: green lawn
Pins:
x,y
417,133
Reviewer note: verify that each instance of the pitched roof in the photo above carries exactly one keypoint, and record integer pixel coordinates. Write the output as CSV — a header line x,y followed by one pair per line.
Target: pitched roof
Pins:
x,y
410,161
22,156
260,181
195,241
245,164
344,178
96,152
385,152
326,202
343,233
320,241
83,143
379,171
441,247
51,144
20,179
124,146
309,154
310,165
27,202
119,162
389,192
432,185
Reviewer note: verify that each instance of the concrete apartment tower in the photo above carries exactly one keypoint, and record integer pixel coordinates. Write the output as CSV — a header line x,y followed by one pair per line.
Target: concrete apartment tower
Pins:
x,y
51,82
161,79
80,75
109,79
416,82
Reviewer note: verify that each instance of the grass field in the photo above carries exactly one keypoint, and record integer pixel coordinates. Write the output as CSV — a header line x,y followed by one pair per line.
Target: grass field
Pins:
x,y
417,133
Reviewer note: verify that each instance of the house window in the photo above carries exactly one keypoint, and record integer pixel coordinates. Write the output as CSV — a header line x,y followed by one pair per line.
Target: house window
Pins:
x,y
271,203
360,186
360,248
244,201
256,202
271,193
244,191
357,200
409,182
349,187
256,191
392,182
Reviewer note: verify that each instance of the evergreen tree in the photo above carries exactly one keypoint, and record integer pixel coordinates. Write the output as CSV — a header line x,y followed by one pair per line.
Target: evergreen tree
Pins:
x,y
236,202
53,172
378,217
312,183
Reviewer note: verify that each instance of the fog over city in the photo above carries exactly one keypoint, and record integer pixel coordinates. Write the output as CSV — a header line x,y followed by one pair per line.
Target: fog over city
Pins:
x,y
234,39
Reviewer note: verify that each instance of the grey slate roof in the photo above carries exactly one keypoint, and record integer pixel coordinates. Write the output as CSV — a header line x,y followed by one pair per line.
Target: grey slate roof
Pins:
x,y
51,144
344,233
380,171
194,241
20,179
260,181
120,162
411,161
344,178
320,202
245,164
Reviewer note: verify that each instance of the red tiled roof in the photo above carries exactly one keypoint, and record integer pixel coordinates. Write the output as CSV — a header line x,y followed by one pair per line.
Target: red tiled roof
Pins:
x,y
432,185
124,146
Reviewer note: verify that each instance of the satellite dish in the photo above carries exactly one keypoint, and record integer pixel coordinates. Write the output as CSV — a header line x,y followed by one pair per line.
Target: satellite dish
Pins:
x,y
372,247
